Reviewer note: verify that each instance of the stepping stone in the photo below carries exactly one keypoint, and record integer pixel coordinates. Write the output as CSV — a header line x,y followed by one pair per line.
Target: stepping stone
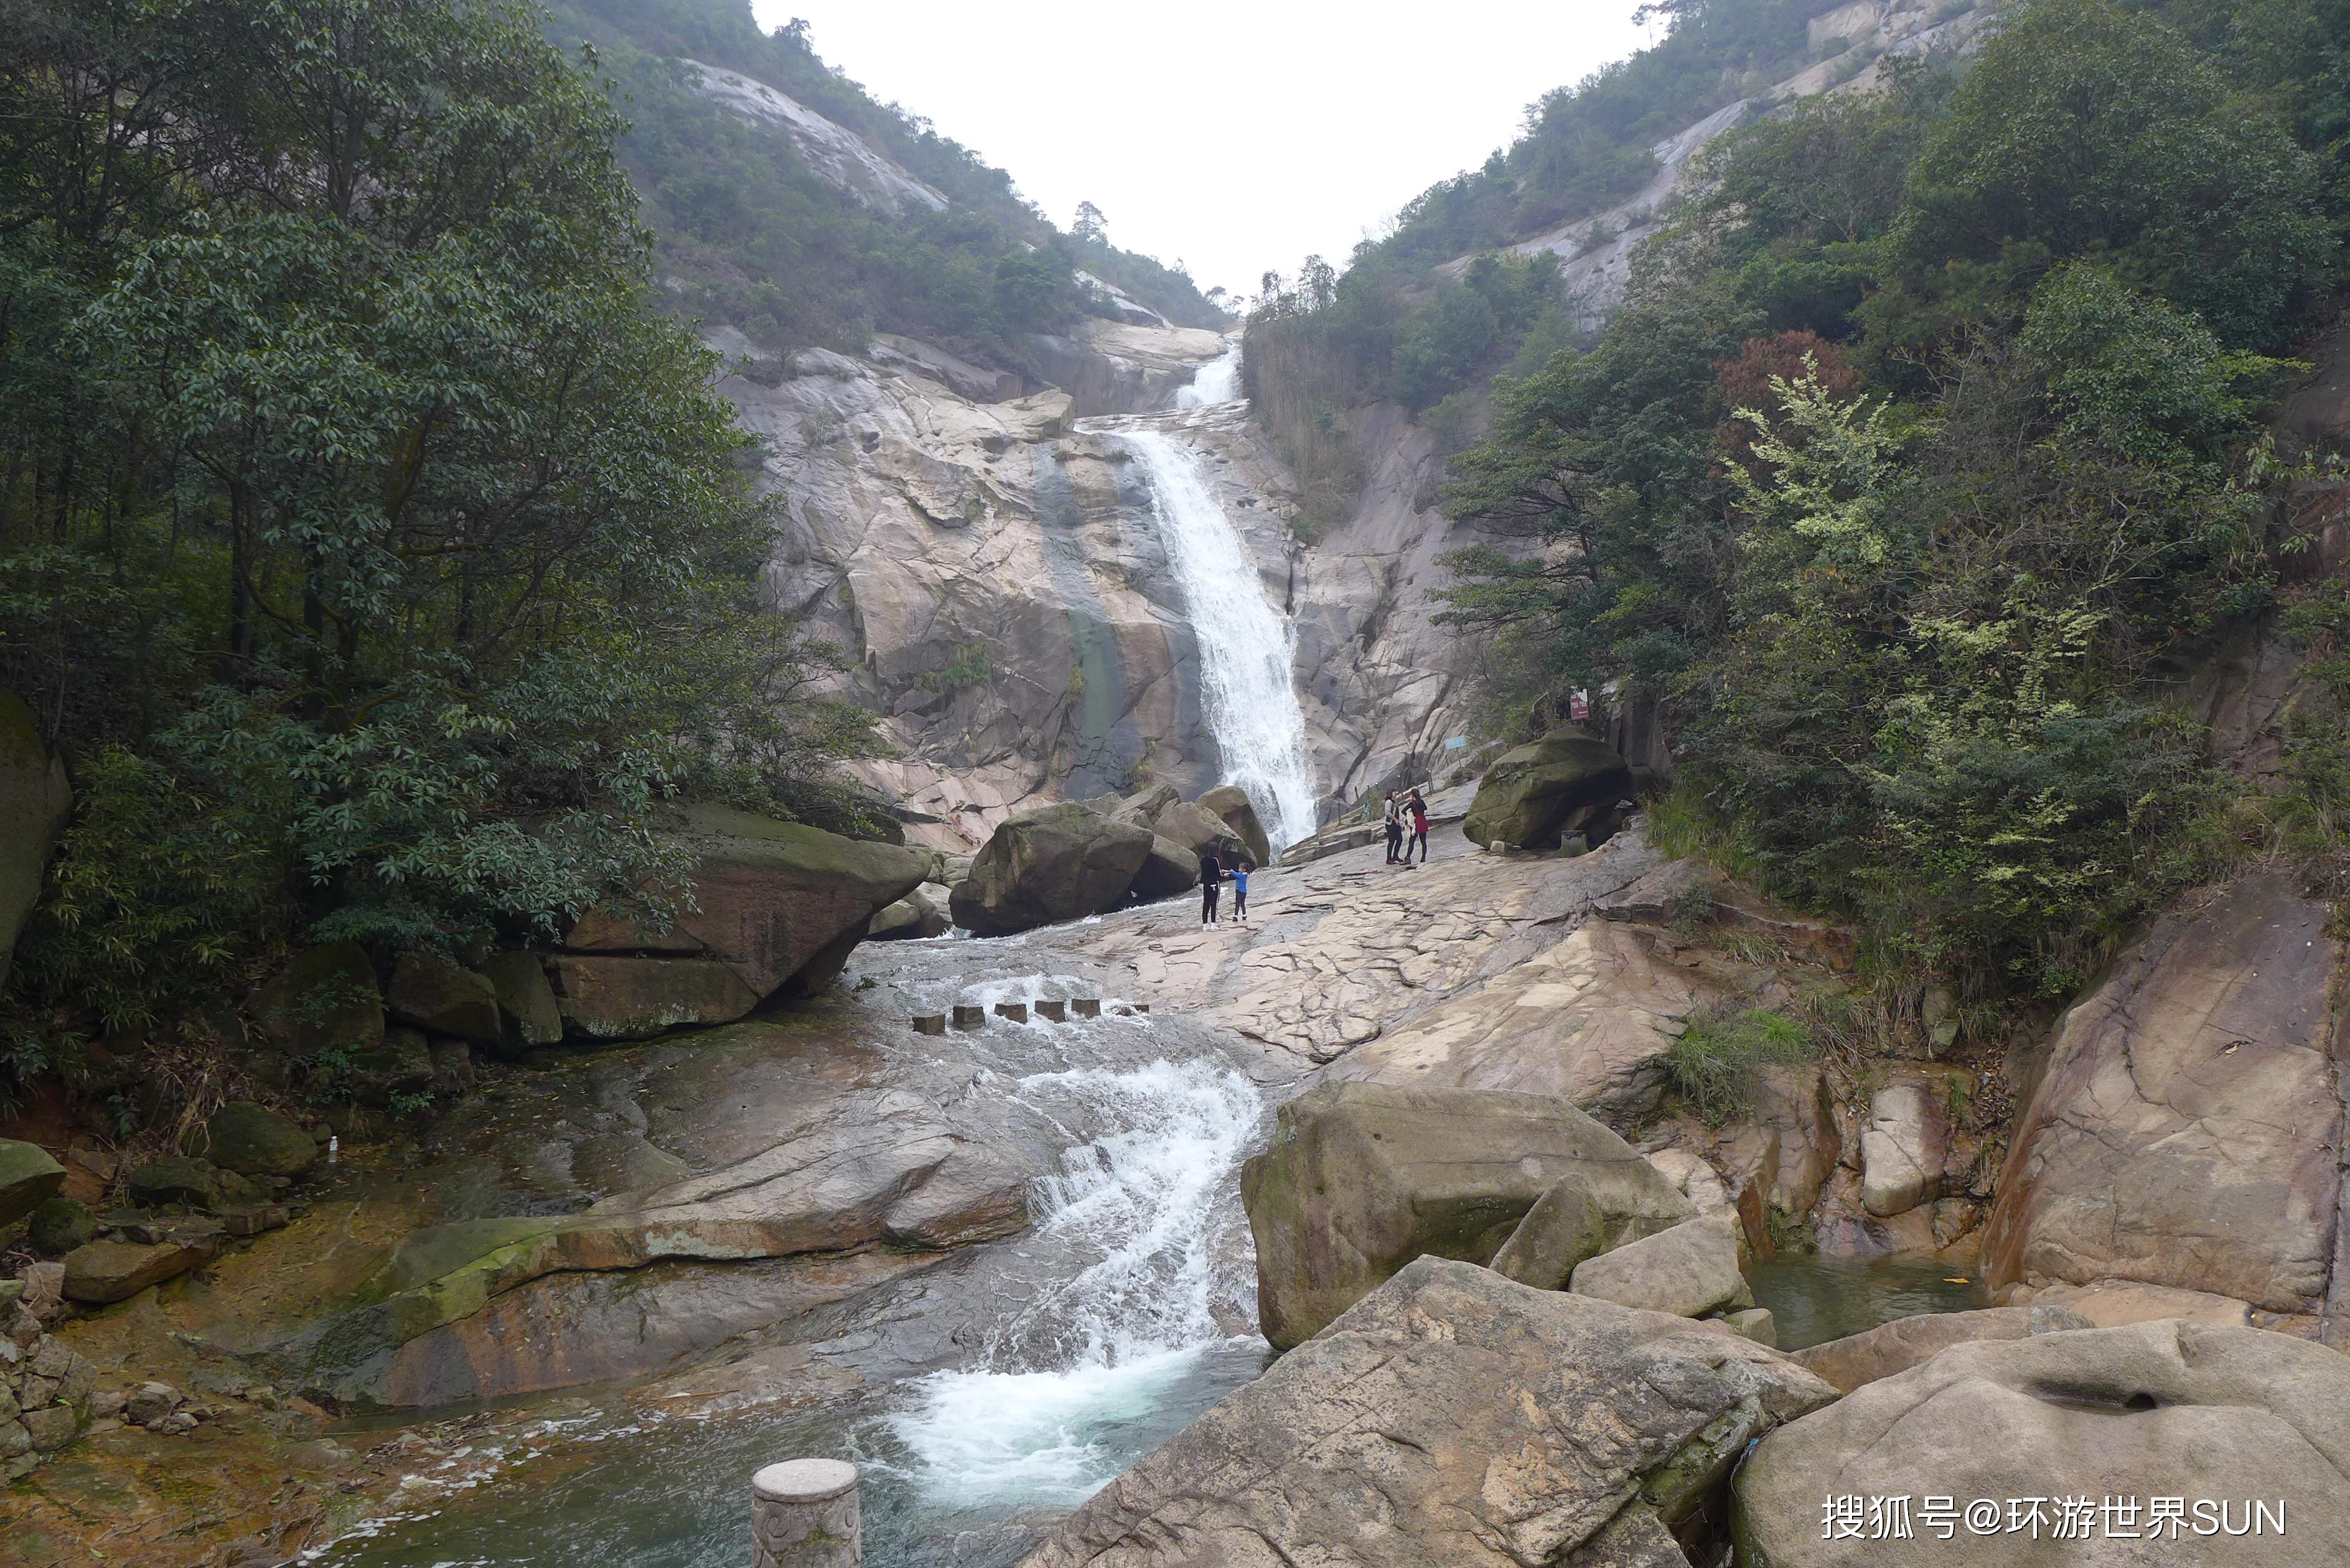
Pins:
x,y
969,1017
1059,1011
1015,1010
1086,1006
930,1023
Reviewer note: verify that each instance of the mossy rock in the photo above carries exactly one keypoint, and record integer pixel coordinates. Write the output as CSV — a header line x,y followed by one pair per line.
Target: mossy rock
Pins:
x,y
28,1178
61,1225
251,1141
323,1001
1532,795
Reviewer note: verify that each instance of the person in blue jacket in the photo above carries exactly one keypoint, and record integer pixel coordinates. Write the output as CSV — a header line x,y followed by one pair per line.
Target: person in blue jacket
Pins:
x,y
1240,891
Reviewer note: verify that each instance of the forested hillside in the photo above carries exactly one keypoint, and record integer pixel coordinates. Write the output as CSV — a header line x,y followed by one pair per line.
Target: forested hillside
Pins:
x,y
753,237
1924,456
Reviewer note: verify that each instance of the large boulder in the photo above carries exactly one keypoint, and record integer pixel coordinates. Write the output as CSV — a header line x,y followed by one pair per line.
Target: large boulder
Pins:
x,y
1454,1419
615,997
1905,1149
1688,1270
1195,830
2209,1418
1170,870
442,998
178,1178
323,1001
527,1014
102,1272
1231,804
34,801
1579,1218
773,900
1566,781
1361,1178
251,1141
1060,863
916,915
28,1178
1859,1359
2187,1130
399,1067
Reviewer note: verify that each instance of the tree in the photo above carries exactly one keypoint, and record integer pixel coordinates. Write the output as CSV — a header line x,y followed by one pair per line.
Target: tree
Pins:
x,y
1090,227
2088,131
356,501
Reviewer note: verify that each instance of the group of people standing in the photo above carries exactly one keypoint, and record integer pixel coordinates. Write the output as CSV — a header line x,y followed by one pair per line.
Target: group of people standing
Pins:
x,y
1407,820
1211,877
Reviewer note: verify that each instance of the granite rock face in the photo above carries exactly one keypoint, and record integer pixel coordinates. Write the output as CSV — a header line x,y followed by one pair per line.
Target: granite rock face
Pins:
x,y
2187,1129
1361,1178
1043,866
2219,1416
1863,1358
1453,1418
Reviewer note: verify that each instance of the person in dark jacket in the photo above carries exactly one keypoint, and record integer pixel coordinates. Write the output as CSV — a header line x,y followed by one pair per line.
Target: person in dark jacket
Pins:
x,y
1395,828
1211,875
1416,809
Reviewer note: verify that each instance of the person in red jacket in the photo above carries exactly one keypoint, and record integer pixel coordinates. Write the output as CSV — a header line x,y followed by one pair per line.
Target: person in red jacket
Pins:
x,y
1418,808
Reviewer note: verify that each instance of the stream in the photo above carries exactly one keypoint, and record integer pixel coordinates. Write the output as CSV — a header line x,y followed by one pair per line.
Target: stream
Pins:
x,y
1002,1386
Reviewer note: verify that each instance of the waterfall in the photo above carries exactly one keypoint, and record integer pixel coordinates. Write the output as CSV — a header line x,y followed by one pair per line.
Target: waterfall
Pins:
x,y
1217,381
1246,648
1040,1419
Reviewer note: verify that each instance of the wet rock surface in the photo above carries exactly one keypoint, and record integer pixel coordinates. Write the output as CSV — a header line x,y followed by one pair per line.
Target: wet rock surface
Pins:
x,y
1455,1418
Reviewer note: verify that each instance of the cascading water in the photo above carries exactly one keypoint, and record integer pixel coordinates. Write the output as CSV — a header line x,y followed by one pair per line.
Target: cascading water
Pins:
x,y
1038,1420
1246,648
1217,381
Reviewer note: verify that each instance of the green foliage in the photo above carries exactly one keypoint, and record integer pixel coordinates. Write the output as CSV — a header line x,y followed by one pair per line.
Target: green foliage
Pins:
x,y
970,667
2136,373
753,237
2313,806
2088,131
1922,451
1712,1065
379,551
156,897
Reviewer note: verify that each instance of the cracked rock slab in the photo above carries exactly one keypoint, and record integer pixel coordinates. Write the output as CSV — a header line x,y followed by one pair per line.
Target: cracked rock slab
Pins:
x,y
1452,1418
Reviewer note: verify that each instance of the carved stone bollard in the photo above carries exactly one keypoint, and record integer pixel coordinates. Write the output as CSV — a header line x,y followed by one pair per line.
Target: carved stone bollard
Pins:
x,y
1086,1006
1059,1011
806,1513
930,1023
1015,1010
967,1017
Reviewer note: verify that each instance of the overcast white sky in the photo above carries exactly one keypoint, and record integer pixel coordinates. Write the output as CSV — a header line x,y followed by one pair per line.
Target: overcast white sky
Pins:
x,y
1235,136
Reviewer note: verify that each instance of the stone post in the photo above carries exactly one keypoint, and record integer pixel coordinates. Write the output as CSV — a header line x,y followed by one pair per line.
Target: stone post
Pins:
x,y
1015,1010
930,1023
1056,1012
806,1513
968,1017
1087,1006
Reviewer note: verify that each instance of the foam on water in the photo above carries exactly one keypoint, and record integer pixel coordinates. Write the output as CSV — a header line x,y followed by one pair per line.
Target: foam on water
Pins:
x,y
1217,381
1042,1415
1246,648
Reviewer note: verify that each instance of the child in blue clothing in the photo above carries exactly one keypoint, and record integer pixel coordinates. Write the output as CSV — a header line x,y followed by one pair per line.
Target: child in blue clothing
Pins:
x,y
1240,891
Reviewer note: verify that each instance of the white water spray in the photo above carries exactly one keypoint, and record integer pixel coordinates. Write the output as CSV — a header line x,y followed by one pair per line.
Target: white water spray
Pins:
x,y
1246,648
1217,381
1038,1418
